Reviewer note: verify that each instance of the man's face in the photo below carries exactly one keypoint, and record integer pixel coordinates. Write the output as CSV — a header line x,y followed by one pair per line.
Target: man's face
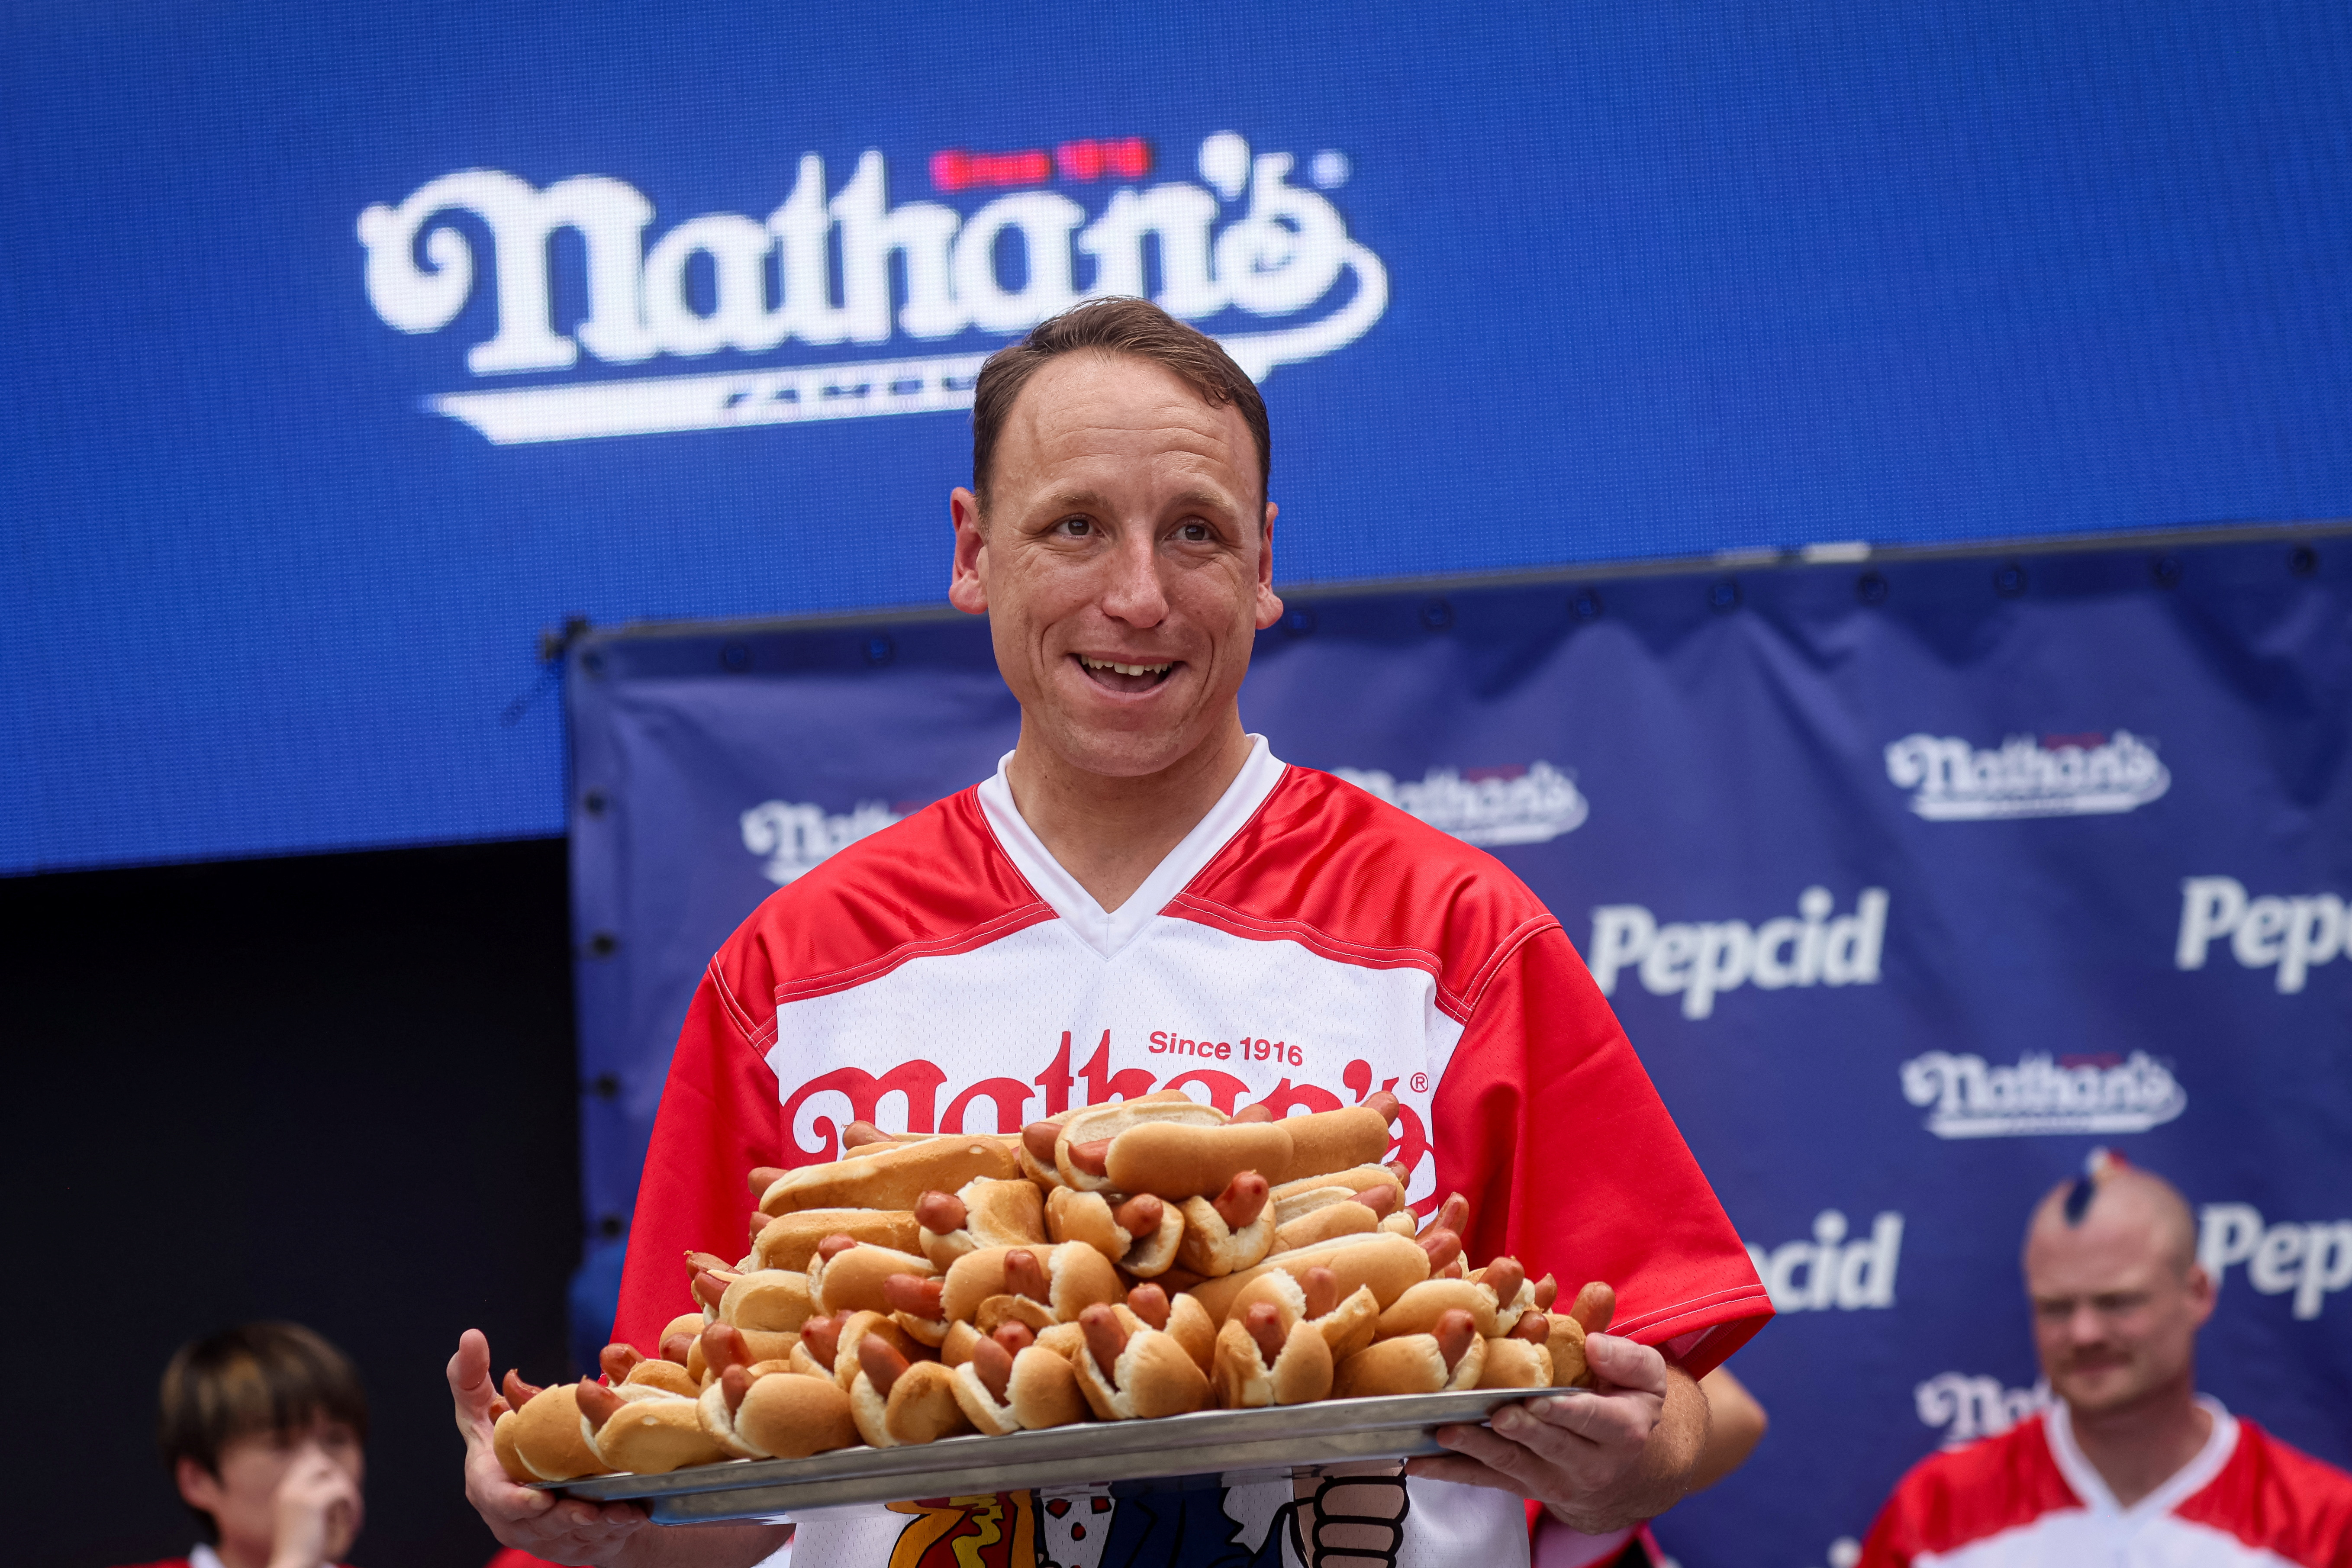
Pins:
x,y
242,1497
1125,562
2115,1312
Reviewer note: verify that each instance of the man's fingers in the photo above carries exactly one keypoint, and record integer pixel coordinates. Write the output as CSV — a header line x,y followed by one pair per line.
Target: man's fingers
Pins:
x,y
1602,1419
1625,1363
1495,1452
470,1389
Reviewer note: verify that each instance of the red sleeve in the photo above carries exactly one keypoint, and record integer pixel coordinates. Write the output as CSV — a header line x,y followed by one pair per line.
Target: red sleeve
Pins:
x,y
1547,1123
719,1118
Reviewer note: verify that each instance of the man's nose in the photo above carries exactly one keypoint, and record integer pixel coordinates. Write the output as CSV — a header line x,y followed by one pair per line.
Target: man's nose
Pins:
x,y
1134,593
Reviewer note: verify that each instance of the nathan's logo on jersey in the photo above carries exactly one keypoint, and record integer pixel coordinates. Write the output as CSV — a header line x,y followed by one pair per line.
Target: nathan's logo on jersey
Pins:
x,y
1486,806
2057,775
1965,1408
2068,1094
915,1097
794,839
2297,934
841,265
1831,1271
2312,1258
1701,960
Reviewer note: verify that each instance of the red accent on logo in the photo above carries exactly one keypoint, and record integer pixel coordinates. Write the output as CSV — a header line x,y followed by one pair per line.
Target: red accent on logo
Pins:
x,y
956,170
1129,158
1224,1089
1507,772
1121,158
2089,740
918,1081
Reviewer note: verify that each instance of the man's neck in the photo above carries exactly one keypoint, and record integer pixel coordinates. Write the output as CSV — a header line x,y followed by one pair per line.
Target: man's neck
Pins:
x,y
1112,833
2138,1447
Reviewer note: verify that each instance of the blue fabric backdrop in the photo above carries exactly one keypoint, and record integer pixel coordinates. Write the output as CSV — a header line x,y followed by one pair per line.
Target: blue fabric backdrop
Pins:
x,y
283,285
1911,880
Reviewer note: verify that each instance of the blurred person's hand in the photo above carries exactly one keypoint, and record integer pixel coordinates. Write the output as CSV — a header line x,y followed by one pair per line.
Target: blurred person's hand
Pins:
x,y
318,1511
572,1529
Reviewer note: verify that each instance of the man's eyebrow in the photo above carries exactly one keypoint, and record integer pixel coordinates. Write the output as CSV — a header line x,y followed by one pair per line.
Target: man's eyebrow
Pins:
x,y
1083,498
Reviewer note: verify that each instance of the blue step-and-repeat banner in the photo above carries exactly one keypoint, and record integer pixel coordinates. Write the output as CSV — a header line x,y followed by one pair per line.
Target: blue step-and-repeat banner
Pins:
x,y
1913,880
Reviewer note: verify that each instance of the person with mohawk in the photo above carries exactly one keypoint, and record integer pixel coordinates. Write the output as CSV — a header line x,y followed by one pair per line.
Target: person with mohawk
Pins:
x,y
2130,1466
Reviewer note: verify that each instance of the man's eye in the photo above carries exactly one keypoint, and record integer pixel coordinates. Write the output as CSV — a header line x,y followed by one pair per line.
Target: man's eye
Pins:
x,y
1194,533
1077,527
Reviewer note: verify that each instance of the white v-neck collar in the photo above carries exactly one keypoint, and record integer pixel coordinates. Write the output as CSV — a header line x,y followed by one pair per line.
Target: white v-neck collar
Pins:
x,y
2185,1483
1107,930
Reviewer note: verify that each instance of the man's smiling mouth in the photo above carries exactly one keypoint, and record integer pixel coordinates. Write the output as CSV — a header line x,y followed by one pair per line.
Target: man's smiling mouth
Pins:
x,y
1118,676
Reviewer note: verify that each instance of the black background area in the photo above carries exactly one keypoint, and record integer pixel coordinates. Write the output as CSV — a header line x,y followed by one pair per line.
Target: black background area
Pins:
x,y
334,1088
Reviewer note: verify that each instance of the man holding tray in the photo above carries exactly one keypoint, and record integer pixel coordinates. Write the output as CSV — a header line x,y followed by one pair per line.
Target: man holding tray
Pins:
x,y
1139,872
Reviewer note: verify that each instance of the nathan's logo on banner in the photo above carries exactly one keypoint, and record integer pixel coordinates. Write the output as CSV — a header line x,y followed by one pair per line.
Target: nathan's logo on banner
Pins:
x,y
1965,1408
2313,1260
1829,1271
2057,775
2069,1094
2297,934
794,839
830,267
1702,960
1531,805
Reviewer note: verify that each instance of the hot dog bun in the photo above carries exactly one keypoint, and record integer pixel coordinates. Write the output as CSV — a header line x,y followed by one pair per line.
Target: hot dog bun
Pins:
x,y
665,1375
776,1300
1411,1363
1346,1328
1389,1264
790,1416
851,1281
1042,1391
896,1177
1566,1349
997,1213
1151,1376
1417,1311
1333,1140
790,1241
653,1435
1515,1364
548,1438
1331,1186
1210,1246
502,1444
1077,1275
1241,1379
920,1407
1108,1123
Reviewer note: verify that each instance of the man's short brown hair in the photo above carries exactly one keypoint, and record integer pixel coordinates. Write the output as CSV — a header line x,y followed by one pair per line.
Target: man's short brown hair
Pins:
x,y
253,1379
1118,325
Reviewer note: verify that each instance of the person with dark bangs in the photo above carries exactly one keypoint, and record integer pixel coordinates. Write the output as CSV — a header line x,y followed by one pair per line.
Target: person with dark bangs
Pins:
x,y
263,1427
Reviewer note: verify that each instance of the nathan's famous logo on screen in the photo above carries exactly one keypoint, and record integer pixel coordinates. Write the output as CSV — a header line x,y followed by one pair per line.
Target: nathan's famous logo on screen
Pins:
x,y
1533,804
2053,776
1253,249
2102,1092
1966,1407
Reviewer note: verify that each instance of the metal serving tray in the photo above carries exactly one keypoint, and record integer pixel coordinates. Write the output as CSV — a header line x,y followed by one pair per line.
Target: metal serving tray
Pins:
x,y
1225,1447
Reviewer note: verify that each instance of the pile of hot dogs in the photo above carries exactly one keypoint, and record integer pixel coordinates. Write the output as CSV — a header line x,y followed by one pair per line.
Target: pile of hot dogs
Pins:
x,y
1143,1258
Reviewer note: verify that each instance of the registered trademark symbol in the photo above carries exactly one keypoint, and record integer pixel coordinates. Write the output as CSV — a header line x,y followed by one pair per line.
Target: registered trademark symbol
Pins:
x,y
1421,1083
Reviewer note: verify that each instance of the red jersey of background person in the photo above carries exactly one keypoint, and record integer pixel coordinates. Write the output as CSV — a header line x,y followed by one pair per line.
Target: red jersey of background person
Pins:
x,y
1306,945
2028,1498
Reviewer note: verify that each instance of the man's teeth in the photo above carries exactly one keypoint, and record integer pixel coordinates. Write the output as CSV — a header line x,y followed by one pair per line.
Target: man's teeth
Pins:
x,y
1125,668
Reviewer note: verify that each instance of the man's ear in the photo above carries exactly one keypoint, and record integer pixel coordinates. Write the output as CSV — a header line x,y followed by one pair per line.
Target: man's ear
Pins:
x,y
1269,604
967,578
199,1488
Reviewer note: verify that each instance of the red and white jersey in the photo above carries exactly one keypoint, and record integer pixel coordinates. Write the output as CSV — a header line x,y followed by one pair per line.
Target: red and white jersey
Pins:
x,y
1306,945
2028,1498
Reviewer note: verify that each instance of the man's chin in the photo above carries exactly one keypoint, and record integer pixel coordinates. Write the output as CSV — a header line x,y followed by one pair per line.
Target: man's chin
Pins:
x,y
2098,1393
